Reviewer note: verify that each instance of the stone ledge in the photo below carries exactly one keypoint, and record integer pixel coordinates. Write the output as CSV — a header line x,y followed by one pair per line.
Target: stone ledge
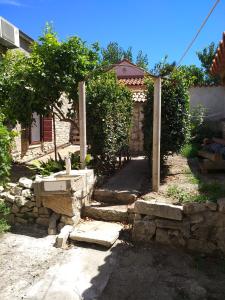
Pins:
x,y
163,210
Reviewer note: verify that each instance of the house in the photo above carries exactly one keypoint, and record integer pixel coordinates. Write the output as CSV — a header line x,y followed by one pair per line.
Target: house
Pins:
x,y
133,76
38,139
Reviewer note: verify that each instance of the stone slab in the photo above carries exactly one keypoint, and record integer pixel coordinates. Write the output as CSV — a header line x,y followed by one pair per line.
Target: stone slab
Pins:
x,y
97,232
163,210
114,213
63,236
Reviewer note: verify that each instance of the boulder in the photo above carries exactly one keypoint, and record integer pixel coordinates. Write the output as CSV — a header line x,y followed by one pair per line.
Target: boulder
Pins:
x,y
211,205
25,209
221,205
25,182
143,231
42,221
194,207
21,220
10,198
15,209
163,210
20,201
26,193
183,227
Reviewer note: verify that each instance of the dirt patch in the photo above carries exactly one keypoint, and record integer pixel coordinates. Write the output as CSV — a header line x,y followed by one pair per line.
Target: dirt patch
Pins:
x,y
25,256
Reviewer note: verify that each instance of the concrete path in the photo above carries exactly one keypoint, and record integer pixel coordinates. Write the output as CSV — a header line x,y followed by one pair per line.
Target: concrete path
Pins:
x,y
129,178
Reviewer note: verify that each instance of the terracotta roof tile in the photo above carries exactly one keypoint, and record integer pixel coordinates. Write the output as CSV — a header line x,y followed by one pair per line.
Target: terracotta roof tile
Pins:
x,y
218,64
132,81
139,96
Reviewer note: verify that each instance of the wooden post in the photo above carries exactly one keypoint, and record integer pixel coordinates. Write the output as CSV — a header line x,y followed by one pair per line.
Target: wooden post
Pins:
x,y
82,123
54,133
156,135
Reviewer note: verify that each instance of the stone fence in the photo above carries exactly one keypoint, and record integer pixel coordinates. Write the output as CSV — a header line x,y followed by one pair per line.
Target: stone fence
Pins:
x,y
194,226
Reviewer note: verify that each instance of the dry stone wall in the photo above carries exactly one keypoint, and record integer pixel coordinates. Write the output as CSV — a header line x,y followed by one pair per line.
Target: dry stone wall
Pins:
x,y
195,226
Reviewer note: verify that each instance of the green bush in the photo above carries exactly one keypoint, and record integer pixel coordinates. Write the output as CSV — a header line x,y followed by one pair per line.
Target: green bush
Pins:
x,y
4,211
189,150
109,112
6,138
52,166
175,125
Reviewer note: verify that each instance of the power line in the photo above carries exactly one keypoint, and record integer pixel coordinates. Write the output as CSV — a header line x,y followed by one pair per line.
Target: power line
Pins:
x,y
198,32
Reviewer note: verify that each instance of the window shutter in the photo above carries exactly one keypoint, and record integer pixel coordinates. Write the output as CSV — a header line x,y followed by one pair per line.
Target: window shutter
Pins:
x,y
47,129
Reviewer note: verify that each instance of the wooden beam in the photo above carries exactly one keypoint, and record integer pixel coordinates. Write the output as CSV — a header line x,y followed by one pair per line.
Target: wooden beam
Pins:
x,y
82,123
156,135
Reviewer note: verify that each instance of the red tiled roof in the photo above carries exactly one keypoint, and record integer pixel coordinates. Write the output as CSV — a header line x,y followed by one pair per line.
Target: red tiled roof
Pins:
x,y
132,81
218,64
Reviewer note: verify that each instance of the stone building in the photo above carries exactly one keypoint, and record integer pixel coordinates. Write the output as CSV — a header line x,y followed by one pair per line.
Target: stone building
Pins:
x,y
133,77
38,139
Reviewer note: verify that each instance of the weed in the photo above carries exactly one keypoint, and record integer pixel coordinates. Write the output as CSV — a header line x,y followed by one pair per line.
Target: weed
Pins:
x,y
177,193
189,150
4,211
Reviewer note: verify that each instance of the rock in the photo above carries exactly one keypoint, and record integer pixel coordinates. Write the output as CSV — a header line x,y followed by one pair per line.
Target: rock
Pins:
x,y
63,236
196,218
162,210
43,211
137,217
194,291
143,231
10,186
10,219
52,228
221,205
1,189
10,198
183,226
42,221
169,237
60,226
30,204
193,208
62,204
32,215
17,191
20,220
97,232
25,209
70,220
20,201
35,209
25,182
26,193
114,213
201,246
15,209
211,205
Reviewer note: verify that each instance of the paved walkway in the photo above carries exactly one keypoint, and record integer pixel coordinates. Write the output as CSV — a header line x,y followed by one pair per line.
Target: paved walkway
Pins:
x,y
130,177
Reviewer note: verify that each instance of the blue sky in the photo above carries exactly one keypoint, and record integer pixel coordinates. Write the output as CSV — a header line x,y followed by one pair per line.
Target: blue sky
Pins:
x,y
157,27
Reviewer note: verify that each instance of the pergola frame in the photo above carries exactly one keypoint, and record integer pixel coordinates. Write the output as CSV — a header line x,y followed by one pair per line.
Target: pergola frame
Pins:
x,y
156,129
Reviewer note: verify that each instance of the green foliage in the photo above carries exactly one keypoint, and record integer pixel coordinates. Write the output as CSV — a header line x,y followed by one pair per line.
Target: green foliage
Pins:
x,y
6,138
189,150
37,82
109,110
4,211
175,115
114,53
52,166
206,57
163,68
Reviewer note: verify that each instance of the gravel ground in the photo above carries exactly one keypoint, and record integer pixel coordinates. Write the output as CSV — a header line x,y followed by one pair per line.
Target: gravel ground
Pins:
x,y
124,272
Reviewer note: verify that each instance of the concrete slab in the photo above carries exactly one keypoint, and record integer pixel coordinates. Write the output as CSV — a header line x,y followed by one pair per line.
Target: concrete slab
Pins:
x,y
96,232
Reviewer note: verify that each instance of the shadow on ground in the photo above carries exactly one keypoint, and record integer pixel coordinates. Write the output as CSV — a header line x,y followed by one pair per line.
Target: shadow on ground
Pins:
x,y
159,273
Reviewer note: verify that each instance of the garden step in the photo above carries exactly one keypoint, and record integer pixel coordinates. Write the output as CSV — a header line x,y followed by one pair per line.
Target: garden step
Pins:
x,y
114,196
113,213
96,232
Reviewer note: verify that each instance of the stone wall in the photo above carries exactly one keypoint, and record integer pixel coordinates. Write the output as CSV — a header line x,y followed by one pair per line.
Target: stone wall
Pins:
x,y
194,226
27,205
137,136
22,151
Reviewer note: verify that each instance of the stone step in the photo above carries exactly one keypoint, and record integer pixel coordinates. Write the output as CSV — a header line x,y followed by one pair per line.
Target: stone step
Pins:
x,y
114,196
96,232
104,212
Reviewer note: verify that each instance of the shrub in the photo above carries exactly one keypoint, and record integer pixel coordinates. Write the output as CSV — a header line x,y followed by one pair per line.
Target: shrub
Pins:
x,y
175,126
4,211
109,111
189,150
6,138
52,166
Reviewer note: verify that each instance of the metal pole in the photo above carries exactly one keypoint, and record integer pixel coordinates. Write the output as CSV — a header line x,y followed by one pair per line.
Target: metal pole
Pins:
x,y
156,135
82,123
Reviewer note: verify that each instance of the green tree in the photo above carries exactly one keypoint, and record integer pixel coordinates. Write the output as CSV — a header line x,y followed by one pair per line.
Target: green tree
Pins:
x,y
109,112
38,82
163,68
206,57
142,60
